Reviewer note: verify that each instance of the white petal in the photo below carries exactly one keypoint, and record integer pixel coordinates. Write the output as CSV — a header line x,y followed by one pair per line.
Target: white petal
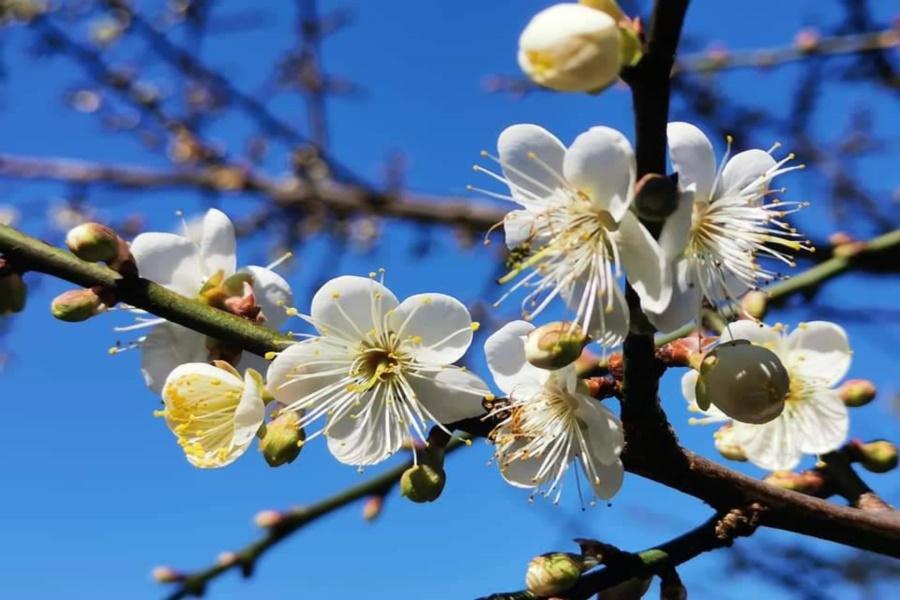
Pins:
x,y
349,307
604,431
756,333
273,295
505,351
304,368
692,158
355,442
743,169
170,260
205,374
820,350
610,478
451,395
251,411
822,423
771,446
166,347
644,265
518,472
684,305
518,227
689,387
600,163
677,229
217,244
436,329
530,179
608,328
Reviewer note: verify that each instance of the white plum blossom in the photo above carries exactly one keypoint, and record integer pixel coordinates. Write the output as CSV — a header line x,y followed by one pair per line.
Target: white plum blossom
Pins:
x,y
725,221
571,47
213,413
185,264
576,225
379,369
551,421
814,420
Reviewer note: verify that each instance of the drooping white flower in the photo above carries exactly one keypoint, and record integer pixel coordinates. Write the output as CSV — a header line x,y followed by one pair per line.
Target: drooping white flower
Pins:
x,y
213,413
576,224
726,220
185,264
379,369
551,422
571,47
814,419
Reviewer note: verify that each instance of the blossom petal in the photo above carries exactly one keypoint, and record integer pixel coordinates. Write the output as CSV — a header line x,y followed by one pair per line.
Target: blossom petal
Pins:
x,y
819,350
349,307
251,411
517,471
166,347
217,244
689,387
505,351
822,423
600,163
273,295
604,435
606,327
170,260
756,333
531,180
676,231
609,479
305,368
518,227
435,329
692,158
773,446
451,395
742,170
644,265
360,441
684,306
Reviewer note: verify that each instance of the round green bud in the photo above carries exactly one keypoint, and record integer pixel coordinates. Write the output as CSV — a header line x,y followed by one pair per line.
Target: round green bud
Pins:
x,y
553,573
283,439
93,242
878,456
76,305
555,345
745,381
857,392
422,483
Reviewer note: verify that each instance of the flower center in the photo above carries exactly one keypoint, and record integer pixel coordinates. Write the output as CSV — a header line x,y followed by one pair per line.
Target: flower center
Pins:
x,y
377,363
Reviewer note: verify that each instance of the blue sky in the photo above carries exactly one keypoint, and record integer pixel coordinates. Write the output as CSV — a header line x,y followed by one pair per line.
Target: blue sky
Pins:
x,y
96,492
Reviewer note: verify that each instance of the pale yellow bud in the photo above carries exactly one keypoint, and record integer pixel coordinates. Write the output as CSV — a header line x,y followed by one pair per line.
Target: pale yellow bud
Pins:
x,y
878,456
553,573
745,381
283,439
571,48
93,242
554,345
857,392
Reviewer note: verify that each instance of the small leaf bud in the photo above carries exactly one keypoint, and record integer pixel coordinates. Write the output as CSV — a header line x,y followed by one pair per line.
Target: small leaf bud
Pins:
x,y
77,305
164,574
93,242
553,573
283,439
422,483
857,392
372,508
745,381
555,345
878,456
266,519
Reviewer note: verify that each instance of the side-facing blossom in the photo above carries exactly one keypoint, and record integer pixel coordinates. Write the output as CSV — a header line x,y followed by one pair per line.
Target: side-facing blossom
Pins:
x,y
379,369
726,220
576,227
814,420
551,422
213,413
189,264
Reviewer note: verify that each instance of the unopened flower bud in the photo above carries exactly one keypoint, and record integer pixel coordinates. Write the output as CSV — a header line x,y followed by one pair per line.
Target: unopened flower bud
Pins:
x,y
656,197
857,392
266,519
226,559
754,304
571,48
422,483
726,444
372,508
12,292
93,242
878,456
745,381
283,439
553,573
77,305
164,574
555,345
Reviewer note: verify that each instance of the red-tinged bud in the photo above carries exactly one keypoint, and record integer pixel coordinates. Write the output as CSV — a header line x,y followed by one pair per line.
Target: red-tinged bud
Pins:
x,y
164,574
372,508
267,519
77,305
857,392
807,40
93,242
227,559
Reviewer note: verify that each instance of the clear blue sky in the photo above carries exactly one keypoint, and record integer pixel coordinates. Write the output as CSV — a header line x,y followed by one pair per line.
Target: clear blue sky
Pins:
x,y
94,490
